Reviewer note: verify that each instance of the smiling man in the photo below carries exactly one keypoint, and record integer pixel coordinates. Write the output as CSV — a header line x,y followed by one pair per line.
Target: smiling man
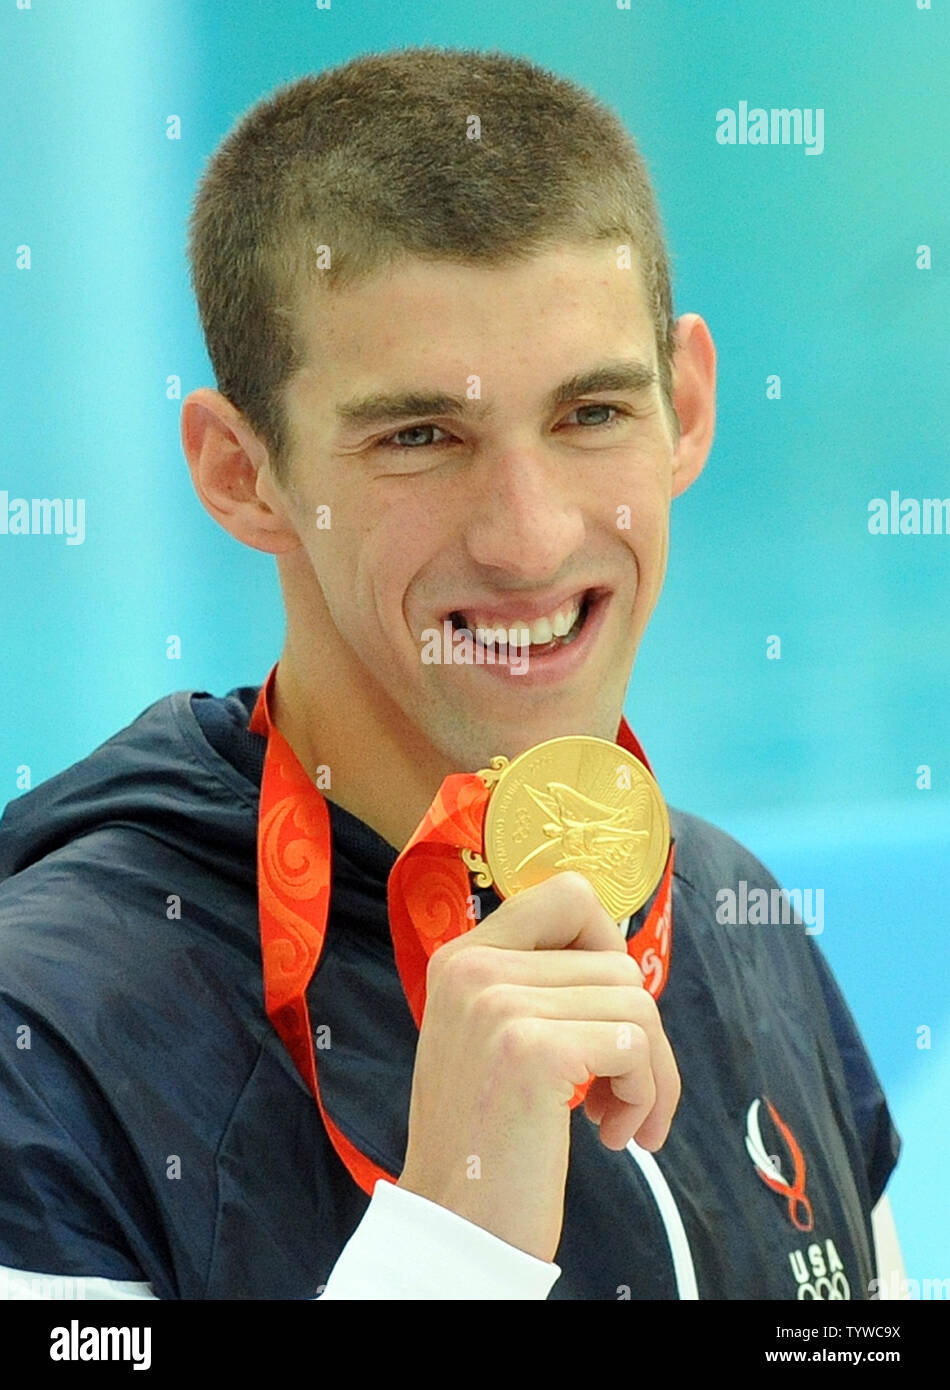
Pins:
x,y
452,401
499,512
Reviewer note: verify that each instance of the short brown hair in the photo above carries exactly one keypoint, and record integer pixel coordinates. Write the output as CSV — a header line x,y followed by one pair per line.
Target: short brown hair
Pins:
x,y
372,159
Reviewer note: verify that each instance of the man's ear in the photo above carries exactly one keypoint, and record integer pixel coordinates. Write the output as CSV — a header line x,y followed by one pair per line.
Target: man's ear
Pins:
x,y
694,398
231,473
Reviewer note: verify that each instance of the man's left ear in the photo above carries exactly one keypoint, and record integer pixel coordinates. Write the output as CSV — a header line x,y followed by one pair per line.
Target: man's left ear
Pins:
x,y
694,398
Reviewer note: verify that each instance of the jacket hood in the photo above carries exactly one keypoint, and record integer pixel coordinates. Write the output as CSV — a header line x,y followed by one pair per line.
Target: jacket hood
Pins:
x,y
159,774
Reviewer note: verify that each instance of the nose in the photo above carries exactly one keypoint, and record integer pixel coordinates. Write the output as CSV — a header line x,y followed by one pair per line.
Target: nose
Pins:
x,y
525,519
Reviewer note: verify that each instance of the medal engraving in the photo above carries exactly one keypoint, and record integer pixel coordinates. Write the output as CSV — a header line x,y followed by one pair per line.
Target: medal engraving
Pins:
x,y
579,803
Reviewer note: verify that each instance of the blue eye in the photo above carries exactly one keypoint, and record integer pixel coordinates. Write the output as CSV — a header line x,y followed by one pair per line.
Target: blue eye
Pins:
x,y
596,405
399,443
388,442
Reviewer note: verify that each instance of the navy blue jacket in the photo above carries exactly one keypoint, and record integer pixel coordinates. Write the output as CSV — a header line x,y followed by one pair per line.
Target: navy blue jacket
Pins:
x,y
155,1129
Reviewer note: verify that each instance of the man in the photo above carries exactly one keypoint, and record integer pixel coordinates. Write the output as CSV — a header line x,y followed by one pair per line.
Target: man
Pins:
x,y
453,400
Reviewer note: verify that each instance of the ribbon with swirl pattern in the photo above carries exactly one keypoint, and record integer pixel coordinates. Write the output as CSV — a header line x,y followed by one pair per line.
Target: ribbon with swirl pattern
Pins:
x,y
429,899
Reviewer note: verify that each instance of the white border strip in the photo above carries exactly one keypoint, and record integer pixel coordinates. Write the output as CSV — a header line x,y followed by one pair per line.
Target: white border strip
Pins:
x,y
23,1284
683,1269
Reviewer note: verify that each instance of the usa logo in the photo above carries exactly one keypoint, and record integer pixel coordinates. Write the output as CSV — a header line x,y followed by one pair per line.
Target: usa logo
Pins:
x,y
768,1166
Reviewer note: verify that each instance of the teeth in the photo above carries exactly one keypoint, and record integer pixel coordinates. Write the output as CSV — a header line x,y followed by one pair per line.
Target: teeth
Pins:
x,y
564,619
541,631
538,633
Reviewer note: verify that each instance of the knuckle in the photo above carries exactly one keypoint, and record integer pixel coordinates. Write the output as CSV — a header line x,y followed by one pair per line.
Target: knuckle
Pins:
x,y
462,972
573,890
639,1044
642,1090
631,969
519,1041
492,1004
645,1008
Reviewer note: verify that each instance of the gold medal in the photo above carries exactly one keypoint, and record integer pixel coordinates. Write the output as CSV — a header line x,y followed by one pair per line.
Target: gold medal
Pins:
x,y
578,803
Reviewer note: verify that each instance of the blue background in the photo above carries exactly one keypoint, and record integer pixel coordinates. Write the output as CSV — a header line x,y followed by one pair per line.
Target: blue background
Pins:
x,y
802,265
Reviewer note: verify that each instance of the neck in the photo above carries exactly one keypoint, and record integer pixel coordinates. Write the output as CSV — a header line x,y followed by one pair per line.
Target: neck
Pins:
x,y
379,768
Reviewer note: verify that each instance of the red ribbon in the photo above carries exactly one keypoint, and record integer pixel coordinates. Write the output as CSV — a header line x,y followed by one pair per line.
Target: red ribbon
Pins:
x,y
429,898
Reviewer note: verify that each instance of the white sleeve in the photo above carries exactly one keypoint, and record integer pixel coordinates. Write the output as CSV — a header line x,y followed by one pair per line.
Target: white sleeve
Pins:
x,y
408,1247
404,1247
891,1278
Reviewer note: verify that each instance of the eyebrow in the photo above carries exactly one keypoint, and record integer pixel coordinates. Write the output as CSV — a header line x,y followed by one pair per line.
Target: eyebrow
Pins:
x,y
628,374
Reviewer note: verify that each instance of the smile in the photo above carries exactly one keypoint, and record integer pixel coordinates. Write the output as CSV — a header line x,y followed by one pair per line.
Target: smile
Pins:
x,y
539,635
559,641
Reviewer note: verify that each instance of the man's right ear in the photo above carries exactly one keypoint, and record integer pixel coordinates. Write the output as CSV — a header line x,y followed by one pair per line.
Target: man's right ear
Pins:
x,y
231,473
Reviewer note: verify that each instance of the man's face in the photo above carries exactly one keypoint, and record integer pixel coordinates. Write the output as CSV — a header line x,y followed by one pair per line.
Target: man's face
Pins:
x,y
538,498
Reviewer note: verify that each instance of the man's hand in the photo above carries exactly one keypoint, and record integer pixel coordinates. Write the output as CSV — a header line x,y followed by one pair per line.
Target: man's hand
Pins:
x,y
519,1011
